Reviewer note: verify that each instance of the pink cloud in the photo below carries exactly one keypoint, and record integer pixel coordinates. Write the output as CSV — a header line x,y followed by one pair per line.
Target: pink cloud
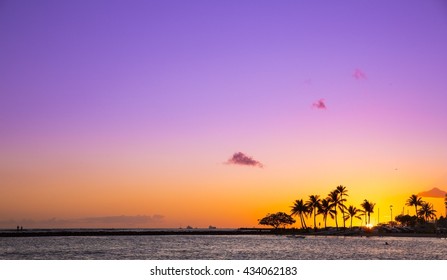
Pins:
x,y
319,104
359,74
242,159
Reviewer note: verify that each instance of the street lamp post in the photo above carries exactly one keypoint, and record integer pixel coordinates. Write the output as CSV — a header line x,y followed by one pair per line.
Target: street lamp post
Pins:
x,y
391,209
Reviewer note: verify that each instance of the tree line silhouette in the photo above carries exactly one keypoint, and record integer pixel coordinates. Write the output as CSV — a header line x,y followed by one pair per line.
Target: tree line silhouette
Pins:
x,y
426,210
334,204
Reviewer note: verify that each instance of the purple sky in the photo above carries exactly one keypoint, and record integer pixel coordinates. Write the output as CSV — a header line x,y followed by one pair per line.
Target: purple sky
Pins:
x,y
169,84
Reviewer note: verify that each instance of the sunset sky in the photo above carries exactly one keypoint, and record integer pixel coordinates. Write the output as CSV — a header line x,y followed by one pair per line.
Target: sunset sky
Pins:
x,y
176,113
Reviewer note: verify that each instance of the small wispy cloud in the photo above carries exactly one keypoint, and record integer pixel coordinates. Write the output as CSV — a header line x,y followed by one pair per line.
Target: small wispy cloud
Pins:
x,y
308,82
359,74
320,104
242,159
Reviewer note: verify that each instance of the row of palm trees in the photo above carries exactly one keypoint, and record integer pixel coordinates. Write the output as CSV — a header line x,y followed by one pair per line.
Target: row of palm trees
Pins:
x,y
330,206
426,211
336,201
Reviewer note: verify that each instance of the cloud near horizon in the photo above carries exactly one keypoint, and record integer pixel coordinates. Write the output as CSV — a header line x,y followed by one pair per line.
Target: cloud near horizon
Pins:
x,y
88,222
435,192
242,159
320,104
359,74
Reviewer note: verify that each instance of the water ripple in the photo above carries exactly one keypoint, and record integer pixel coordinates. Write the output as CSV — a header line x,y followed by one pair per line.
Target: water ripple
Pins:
x,y
222,247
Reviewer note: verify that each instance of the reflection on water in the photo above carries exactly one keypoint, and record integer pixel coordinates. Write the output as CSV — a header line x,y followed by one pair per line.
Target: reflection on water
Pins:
x,y
222,247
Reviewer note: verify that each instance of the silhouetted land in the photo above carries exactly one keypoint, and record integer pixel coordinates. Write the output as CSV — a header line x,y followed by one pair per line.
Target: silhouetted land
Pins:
x,y
241,231
127,232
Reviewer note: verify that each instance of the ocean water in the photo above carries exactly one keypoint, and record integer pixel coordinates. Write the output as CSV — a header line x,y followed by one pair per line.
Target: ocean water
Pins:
x,y
237,247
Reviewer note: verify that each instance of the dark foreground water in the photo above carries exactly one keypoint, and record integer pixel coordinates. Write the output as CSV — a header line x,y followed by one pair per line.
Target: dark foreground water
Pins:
x,y
222,247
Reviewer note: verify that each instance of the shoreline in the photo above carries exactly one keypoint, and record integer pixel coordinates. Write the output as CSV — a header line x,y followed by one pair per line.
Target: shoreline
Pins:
x,y
165,232
118,232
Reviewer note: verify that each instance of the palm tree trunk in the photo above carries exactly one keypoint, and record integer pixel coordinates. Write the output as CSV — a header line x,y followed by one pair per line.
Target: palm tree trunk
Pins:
x,y
351,222
344,221
343,211
303,222
315,221
336,220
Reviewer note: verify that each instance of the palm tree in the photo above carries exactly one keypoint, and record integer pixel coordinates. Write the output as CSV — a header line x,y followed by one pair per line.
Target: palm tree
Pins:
x,y
300,208
415,201
325,209
343,192
334,199
313,205
352,212
369,208
427,211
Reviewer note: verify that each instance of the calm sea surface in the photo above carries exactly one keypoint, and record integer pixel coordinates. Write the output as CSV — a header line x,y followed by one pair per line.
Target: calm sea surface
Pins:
x,y
222,247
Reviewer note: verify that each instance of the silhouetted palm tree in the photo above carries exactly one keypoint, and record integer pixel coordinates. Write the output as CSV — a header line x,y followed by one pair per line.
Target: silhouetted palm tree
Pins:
x,y
313,205
369,208
427,211
325,209
335,200
353,212
415,201
343,192
300,208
